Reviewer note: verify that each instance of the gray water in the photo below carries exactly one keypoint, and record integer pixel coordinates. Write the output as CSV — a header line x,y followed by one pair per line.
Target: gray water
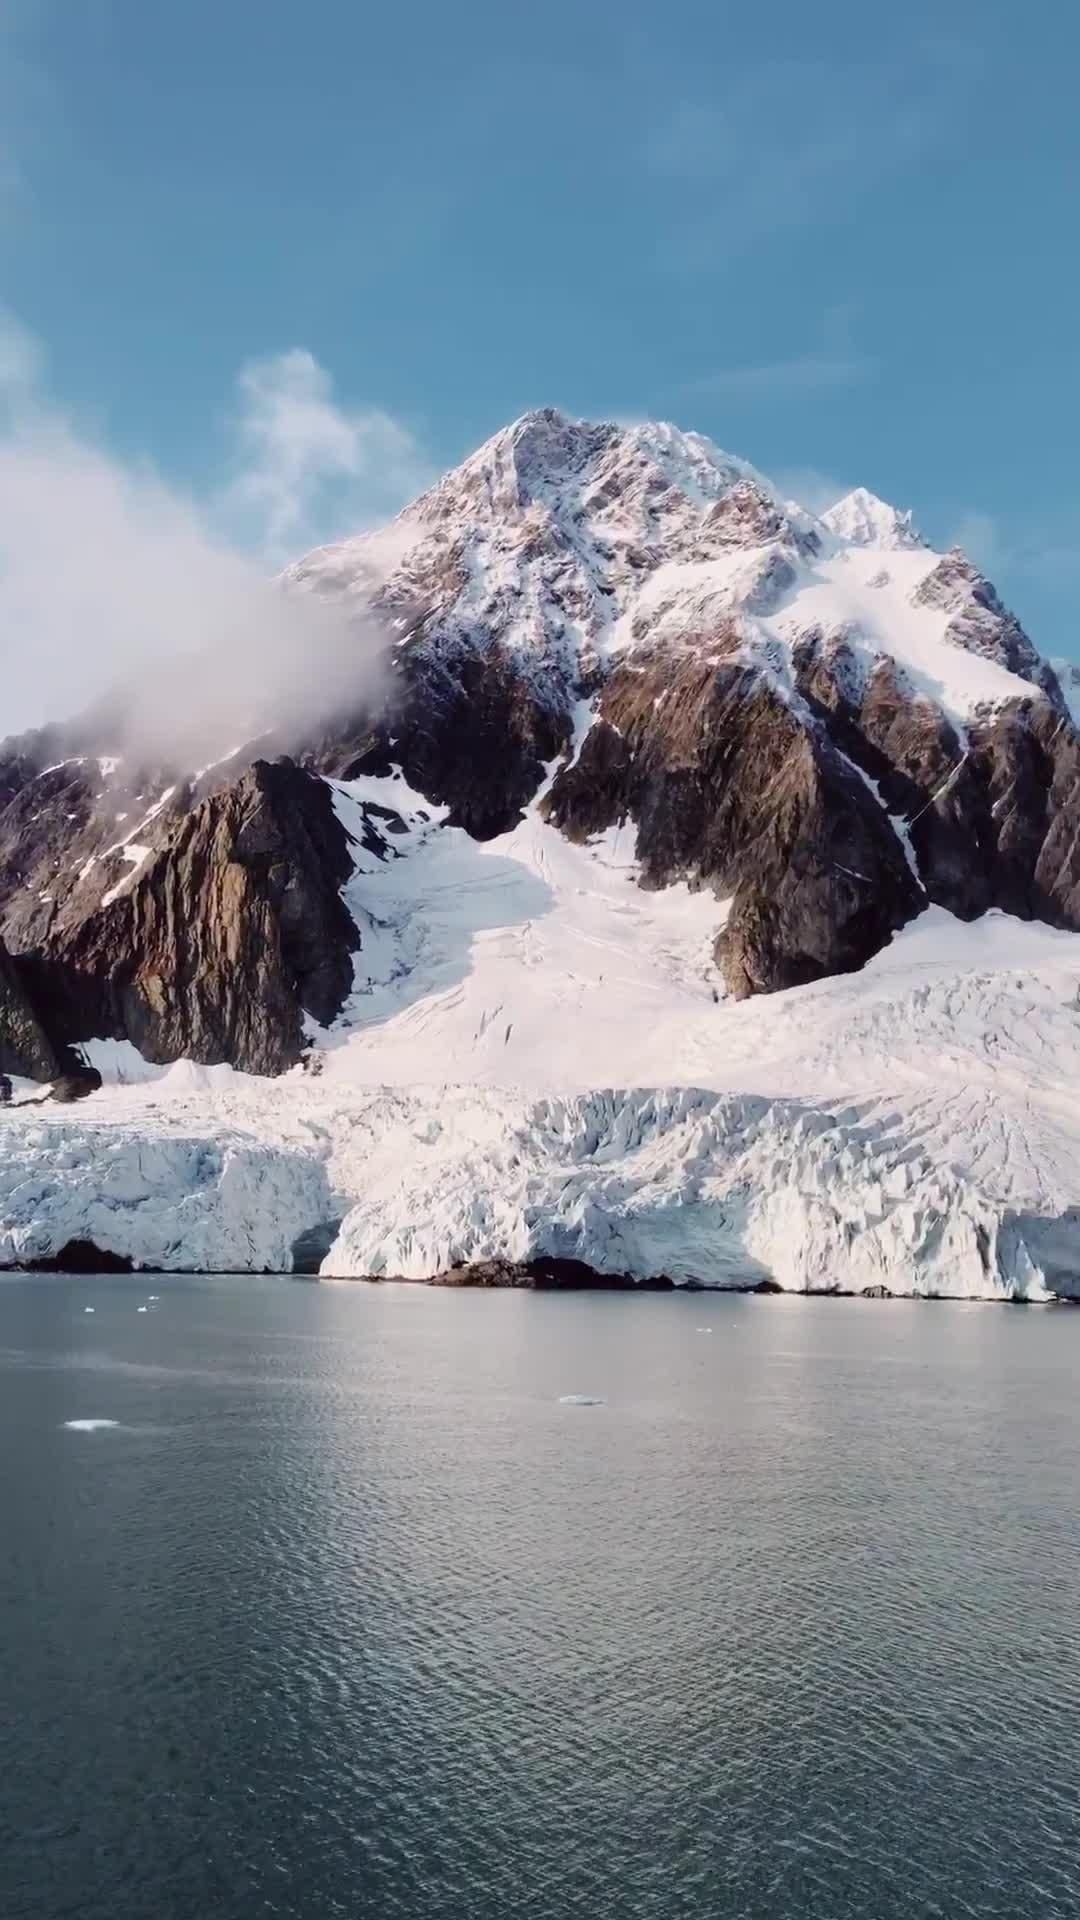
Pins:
x,y
350,1615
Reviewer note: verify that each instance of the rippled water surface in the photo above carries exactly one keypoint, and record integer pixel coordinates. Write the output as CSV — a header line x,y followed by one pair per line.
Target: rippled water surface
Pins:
x,y
362,1608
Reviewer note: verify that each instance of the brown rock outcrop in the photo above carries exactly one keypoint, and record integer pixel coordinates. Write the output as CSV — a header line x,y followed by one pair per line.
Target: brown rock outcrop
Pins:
x,y
25,1047
737,788
230,934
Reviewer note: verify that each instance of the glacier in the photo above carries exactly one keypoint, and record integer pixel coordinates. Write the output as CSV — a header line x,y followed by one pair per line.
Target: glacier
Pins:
x,y
163,1198
538,1060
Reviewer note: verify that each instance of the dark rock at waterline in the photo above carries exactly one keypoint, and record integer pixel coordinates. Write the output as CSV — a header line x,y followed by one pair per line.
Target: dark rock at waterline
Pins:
x,y
548,1275
81,1256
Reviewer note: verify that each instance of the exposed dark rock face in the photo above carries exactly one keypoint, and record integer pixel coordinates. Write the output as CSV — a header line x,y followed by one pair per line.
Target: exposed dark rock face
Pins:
x,y
545,1275
989,820
311,1248
475,736
82,1256
467,728
229,935
63,831
734,787
76,1086
25,1047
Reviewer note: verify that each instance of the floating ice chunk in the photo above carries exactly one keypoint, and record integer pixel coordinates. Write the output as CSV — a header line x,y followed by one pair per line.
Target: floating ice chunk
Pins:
x,y
153,1296
88,1309
702,1329
142,1309
89,1426
581,1400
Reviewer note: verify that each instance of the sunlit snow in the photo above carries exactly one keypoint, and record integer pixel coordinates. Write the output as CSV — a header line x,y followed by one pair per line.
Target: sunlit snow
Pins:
x,y
537,1057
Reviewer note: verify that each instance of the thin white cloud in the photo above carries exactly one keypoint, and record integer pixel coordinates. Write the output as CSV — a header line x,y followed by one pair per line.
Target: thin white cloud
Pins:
x,y
1047,553
833,360
980,537
20,361
309,469
113,583
799,373
812,488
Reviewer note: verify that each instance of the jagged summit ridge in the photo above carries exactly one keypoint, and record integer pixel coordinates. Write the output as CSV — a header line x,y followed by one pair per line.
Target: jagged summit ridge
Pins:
x,y
544,537
545,454
570,543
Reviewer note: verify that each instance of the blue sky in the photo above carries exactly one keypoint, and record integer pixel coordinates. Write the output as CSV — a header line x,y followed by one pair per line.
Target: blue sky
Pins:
x,y
842,240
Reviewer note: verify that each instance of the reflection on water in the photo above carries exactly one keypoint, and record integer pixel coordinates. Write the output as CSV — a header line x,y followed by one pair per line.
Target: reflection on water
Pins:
x,y
396,1602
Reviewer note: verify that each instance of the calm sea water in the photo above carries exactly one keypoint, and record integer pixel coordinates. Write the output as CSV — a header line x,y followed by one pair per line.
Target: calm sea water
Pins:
x,y
351,1615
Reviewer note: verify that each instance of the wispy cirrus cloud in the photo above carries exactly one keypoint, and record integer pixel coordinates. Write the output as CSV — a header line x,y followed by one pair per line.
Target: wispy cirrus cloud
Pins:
x,y
833,361
799,373
981,537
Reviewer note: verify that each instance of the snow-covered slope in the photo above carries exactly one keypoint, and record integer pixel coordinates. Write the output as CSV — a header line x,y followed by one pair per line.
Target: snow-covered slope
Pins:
x,y
524,960
537,1059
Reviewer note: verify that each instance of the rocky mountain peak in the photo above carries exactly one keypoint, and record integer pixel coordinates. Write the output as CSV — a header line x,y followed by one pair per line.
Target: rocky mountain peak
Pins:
x,y
826,724
863,520
579,469
528,462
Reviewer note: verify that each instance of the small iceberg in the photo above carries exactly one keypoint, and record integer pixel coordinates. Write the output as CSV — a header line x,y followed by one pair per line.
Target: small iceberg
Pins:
x,y
142,1309
582,1400
702,1329
88,1309
89,1426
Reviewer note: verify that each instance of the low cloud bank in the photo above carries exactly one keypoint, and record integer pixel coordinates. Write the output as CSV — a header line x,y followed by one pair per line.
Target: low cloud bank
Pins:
x,y
116,589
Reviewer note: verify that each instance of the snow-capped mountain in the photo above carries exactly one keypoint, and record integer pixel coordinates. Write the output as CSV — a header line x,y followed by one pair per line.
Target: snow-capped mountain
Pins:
x,y
824,719
651,741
